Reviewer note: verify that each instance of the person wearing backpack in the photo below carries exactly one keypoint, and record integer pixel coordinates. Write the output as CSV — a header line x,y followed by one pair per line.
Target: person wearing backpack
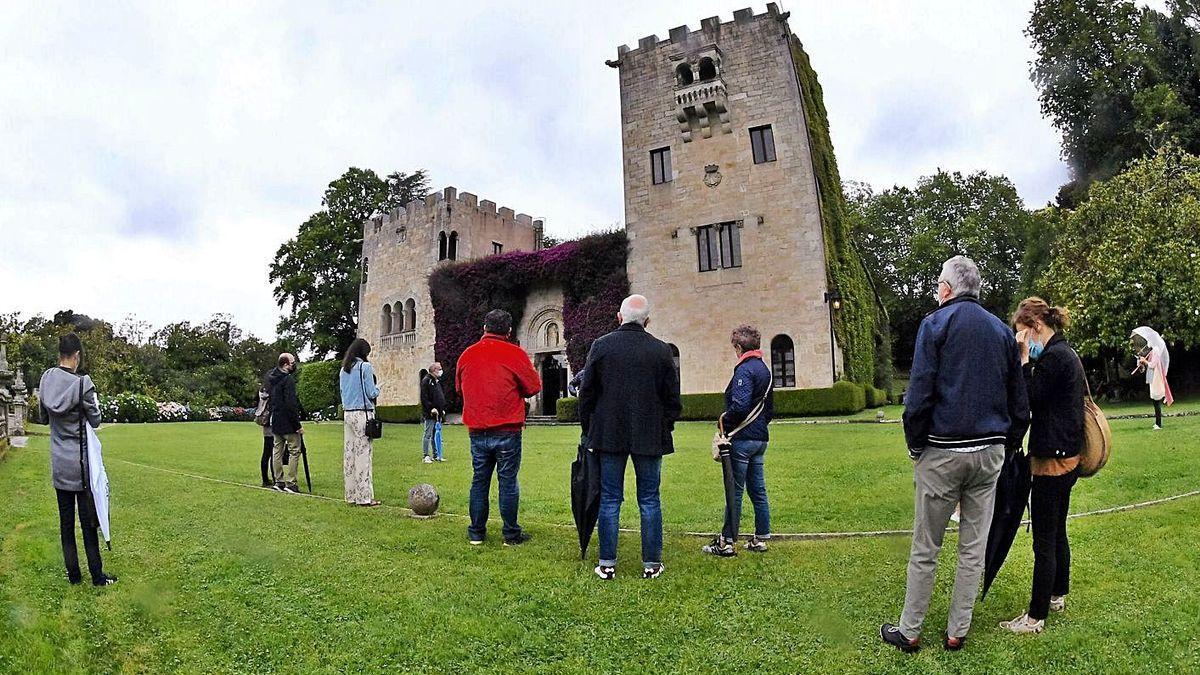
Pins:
x,y
1055,381
68,401
262,417
749,406
356,380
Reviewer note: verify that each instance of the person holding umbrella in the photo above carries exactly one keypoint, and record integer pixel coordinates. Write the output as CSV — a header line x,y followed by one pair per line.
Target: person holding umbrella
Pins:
x,y
433,410
68,402
285,423
1154,359
965,409
1055,382
749,406
628,404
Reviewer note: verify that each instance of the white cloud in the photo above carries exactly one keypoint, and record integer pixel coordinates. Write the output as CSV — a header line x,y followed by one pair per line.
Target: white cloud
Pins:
x,y
156,154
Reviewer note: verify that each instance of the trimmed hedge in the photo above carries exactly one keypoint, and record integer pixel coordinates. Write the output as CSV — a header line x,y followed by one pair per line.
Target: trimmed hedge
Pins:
x,y
843,398
399,414
317,385
876,397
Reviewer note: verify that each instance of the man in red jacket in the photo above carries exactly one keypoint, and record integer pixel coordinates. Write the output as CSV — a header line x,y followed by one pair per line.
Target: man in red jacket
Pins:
x,y
494,377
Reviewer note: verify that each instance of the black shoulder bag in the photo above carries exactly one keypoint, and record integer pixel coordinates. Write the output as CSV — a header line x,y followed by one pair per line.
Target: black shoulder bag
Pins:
x,y
374,427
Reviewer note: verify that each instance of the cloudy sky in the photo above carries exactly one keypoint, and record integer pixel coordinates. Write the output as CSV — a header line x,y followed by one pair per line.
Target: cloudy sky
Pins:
x,y
154,155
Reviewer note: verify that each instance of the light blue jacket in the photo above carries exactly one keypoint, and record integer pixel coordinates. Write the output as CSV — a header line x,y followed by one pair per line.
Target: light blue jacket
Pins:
x,y
359,390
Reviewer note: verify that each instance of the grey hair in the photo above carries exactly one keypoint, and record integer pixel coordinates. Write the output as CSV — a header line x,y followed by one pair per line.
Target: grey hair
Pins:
x,y
962,275
435,364
746,337
635,309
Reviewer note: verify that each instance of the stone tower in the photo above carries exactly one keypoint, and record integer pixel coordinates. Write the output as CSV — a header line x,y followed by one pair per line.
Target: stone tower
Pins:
x,y
721,203
400,249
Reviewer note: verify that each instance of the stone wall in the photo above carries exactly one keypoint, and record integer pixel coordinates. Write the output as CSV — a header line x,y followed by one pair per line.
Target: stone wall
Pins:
x,y
780,287
400,250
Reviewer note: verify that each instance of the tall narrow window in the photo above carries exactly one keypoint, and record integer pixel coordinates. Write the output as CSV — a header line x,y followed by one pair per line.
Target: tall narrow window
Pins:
x,y
385,321
410,314
675,359
731,245
364,272
441,245
708,69
762,142
497,248
783,361
452,246
660,166
708,248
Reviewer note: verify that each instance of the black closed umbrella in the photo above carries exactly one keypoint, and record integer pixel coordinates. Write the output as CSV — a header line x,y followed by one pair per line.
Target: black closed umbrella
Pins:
x,y
304,458
1012,494
730,488
585,494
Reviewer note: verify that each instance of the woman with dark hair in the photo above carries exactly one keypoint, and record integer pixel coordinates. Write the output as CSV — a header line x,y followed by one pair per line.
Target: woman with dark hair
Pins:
x,y
1056,384
68,401
359,392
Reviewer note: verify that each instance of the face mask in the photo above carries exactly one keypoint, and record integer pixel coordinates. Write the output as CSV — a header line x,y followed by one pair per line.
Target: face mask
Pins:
x,y
1036,348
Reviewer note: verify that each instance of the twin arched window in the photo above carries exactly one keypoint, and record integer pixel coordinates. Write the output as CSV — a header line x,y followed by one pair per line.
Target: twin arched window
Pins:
x,y
707,70
448,246
398,318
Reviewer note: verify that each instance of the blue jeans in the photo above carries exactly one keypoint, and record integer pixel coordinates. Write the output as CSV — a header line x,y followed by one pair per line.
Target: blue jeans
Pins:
x,y
612,493
748,476
427,439
500,452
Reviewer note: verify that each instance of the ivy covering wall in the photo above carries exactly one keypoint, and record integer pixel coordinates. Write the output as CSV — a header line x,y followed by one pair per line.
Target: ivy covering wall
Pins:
x,y
855,325
590,270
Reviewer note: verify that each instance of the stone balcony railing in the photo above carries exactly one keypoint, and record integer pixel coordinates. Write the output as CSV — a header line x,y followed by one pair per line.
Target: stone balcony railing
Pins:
x,y
703,104
406,338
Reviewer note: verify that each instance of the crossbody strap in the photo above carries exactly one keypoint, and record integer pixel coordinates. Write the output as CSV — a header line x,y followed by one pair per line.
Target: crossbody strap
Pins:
x,y
362,381
754,413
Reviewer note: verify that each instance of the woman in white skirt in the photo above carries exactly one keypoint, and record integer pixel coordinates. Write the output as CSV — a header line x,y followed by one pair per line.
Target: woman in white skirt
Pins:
x,y
359,391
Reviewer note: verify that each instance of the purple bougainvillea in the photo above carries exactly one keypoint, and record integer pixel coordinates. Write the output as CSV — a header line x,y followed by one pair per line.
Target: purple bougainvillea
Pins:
x,y
593,278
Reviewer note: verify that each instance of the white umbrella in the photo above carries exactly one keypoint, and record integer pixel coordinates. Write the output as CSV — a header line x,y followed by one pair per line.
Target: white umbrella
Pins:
x,y
98,482
1155,341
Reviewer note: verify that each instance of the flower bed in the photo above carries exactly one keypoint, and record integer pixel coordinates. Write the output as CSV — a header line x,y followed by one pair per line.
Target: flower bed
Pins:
x,y
136,408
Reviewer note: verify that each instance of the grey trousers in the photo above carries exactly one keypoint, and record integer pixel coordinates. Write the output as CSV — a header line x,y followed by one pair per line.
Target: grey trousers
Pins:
x,y
945,479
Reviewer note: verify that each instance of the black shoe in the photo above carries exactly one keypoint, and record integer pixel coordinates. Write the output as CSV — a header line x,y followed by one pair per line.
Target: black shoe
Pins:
x,y
953,644
891,635
279,487
653,571
104,580
294,489
721,547
74,581
518,540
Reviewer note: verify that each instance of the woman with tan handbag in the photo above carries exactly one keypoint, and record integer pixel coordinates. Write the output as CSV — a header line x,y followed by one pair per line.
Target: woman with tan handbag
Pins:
x,y
1056,384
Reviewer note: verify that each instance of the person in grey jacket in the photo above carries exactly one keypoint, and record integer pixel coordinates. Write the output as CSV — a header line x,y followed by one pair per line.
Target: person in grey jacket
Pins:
x,y
68,401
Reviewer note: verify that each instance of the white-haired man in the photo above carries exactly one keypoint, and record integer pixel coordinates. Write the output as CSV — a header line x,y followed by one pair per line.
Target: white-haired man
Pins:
x,y
628,404
965,406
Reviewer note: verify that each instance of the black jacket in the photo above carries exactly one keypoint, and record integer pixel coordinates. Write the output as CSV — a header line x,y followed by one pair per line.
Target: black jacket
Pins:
x,y
284,403
432,396
629,396
1056,386
965,387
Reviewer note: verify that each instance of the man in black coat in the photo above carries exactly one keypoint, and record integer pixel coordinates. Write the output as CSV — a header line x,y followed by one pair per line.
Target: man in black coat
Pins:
x,y
628,404
433,410
284,405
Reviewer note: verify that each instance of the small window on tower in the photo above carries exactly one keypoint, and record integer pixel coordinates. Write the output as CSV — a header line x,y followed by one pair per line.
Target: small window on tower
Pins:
x,y
708,69
660,166
683,74
762,142
497,248
364,273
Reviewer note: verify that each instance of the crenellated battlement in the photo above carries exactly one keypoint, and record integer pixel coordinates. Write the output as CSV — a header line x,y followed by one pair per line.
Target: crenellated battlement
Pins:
x,y
710,31
450,203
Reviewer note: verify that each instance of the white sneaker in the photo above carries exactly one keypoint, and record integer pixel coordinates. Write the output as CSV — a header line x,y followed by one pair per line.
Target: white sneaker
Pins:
x,y
1058,603
428,459
955,517
1157,427
1023,625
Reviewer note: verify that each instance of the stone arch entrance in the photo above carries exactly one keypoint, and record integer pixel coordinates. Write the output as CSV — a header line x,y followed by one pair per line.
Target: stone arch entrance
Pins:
x,y
544,339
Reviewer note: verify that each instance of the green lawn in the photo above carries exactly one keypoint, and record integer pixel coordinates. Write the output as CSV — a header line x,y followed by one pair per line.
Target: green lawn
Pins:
x,y
217,577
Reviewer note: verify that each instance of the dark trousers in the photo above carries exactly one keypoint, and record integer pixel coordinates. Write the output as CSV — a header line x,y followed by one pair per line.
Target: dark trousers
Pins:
x,y
499,453
1158,412
1049,502
88,522
264,464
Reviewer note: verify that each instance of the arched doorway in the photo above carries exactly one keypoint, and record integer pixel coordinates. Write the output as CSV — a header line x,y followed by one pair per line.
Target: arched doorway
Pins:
x,y
554,383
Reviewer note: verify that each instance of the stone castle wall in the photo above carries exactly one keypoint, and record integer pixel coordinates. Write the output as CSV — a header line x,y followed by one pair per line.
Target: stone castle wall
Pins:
x,y
781,284
400,250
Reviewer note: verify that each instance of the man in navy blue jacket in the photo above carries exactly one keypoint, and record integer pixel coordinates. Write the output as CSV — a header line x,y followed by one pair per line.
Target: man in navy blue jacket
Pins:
x,y
965,405
750,385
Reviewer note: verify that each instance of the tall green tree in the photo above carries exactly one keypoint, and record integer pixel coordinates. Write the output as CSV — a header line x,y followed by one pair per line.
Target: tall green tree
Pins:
x,y
316,275
1130,256
905,234
1119,81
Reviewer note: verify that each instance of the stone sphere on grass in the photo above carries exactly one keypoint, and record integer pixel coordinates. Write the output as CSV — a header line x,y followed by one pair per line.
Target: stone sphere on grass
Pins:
x,y
423,499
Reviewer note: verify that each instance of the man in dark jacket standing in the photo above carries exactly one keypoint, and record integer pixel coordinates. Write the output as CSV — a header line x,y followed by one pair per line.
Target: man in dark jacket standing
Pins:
x,y
628,404
433,409
285,423
748,392
965,406
494,377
